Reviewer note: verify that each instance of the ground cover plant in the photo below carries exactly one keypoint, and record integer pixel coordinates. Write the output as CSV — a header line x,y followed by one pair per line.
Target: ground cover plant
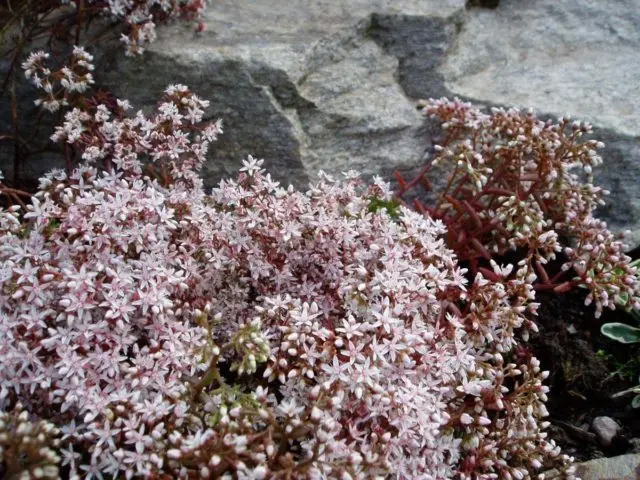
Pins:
x,y
520,190
151,329
512,188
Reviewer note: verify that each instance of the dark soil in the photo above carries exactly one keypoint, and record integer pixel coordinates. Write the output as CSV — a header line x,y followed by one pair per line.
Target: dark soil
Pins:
x,y
583,365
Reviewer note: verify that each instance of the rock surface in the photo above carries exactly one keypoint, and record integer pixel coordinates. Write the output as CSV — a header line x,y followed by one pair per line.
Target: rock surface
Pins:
x,y
332,84
556,57
307,86
623,467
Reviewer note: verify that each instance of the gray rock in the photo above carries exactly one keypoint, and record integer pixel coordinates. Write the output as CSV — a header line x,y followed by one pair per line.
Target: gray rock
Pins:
x,y
623,467
307,86
605,429
557,57
332,84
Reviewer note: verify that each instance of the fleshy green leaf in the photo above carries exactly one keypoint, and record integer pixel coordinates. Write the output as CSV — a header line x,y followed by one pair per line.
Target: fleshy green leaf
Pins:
x,y
621,332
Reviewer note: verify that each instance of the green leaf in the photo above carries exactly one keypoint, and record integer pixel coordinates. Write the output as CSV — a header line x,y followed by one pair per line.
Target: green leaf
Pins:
x,y
621,332
51,227
618,271
391,206
635,403
621,298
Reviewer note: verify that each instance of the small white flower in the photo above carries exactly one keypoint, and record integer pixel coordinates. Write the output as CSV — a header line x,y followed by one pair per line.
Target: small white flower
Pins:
x,y
251,166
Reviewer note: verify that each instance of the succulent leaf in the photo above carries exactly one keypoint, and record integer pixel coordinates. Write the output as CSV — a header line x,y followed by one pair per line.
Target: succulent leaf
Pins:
x,y
621,332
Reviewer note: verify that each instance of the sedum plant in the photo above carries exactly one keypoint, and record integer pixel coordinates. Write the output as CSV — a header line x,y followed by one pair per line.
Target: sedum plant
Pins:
x,y
622,332
254,331
518,185
61,26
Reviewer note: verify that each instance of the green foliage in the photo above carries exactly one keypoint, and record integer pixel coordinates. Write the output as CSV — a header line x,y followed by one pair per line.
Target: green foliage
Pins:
x,y
625,370
252,347
626,334
621,332
391,206
622,297
51,227
635,403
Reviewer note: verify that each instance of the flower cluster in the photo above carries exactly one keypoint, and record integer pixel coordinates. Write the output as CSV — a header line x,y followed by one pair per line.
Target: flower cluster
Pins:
x,y
141,16
59,85
256,331
64,25
171,139
138,18
513,183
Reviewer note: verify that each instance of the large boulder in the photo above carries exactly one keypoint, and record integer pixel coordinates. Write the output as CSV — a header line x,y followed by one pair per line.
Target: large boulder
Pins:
x,y
333,84
306,85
